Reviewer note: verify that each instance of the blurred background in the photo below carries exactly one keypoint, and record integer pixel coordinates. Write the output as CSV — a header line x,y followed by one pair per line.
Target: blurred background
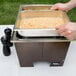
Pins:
x,y
9,9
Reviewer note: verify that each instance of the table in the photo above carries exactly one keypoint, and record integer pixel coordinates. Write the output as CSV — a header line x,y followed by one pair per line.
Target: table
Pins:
x,y
10,65
52,50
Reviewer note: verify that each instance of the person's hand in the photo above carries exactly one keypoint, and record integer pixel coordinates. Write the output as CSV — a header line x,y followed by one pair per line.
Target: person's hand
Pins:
x,y
61,6
68,30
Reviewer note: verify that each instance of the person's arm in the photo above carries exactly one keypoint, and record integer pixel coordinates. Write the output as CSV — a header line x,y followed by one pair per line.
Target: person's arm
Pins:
x,y
64,6
71,3
68,30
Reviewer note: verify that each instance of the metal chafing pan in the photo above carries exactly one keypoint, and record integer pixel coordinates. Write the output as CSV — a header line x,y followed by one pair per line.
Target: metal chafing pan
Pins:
x,y
31,11
35,7
16,38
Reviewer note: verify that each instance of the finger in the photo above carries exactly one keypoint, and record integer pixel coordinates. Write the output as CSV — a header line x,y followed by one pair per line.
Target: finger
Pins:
x,y
62,29
54,7
66,33
60,26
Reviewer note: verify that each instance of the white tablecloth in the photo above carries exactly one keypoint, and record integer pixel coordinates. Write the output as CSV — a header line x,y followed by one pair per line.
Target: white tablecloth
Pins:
x,y
9,66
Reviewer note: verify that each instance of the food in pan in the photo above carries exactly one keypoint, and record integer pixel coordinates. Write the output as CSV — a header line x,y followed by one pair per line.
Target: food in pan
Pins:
x,y
41,22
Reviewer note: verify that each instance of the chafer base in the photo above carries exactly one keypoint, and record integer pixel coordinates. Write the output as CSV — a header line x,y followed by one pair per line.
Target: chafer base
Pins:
x,y
30,50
